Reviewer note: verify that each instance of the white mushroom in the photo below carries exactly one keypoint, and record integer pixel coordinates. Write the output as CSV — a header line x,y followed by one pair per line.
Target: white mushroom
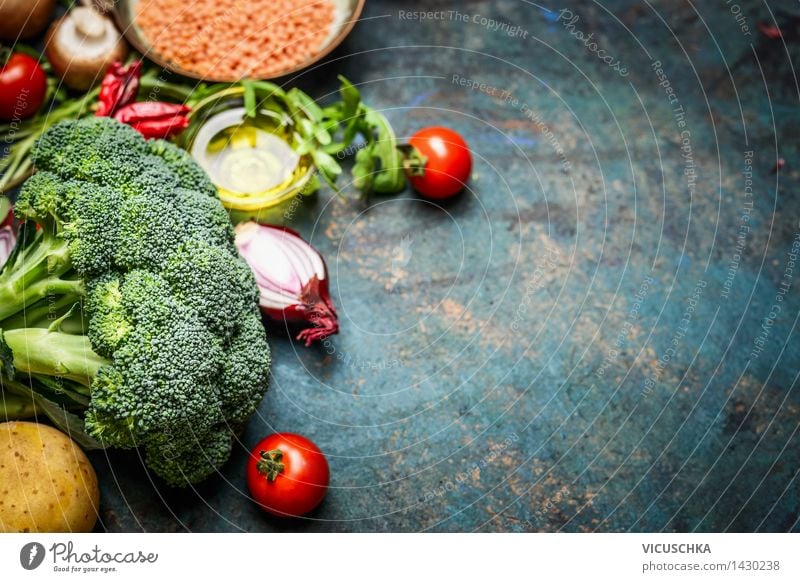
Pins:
x,y
82,45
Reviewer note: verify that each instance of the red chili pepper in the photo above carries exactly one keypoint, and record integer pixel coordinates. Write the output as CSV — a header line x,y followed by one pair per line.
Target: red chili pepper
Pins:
x,y
119,87
162,128
154,119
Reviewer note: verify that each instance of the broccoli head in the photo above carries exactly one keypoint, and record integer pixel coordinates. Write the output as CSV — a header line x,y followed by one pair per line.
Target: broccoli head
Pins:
x,y
126,284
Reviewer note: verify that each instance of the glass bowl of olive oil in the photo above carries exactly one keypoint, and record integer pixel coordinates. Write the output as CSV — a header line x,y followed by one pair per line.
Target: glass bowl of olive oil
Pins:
x,y
250,159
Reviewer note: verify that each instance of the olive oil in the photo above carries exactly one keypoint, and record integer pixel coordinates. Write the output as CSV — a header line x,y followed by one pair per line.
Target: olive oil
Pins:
x,y
249,160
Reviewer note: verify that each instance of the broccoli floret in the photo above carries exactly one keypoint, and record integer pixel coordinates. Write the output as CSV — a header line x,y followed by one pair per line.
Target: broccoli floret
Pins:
x,y
87,214
246,364
192,457
91,149
125,285
207,219
190,175
110,322
216,284
151,227
164,374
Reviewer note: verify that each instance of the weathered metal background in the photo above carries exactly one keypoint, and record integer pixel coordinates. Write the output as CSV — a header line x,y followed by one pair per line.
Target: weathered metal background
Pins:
x,y
579,341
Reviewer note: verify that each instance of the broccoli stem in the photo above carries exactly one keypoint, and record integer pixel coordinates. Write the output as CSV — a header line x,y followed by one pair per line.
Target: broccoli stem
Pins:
x,y
13,407
13,299
51,353
36,273
43,313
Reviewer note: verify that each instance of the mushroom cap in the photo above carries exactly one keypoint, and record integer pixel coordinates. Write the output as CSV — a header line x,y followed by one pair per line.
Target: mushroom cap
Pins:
x,y
82,45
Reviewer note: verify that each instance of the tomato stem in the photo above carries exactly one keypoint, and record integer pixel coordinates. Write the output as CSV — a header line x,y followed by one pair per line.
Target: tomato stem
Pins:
x,y
413,161
270,464
5,54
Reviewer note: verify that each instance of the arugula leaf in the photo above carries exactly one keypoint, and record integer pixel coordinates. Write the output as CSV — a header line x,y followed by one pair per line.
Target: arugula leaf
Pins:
x,y
271,89
389,179
352,112
306,104
351,98
250,106
364,169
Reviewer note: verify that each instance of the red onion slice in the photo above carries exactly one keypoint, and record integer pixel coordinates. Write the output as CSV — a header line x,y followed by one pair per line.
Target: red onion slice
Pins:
x,y
292,277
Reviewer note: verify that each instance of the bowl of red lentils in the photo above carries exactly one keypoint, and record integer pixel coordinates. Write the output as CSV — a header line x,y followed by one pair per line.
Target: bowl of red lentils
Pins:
x,y
229,40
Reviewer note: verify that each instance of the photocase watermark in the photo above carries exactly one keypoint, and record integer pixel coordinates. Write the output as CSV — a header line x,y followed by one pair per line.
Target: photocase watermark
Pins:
x,y
495,451
569,21
510,30
677,338
744,226
351,150
784,286
31,555
545,263
511,100
65,558
297,200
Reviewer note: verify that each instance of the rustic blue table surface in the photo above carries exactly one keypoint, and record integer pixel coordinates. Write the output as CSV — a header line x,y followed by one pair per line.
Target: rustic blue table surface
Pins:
x,y
599,335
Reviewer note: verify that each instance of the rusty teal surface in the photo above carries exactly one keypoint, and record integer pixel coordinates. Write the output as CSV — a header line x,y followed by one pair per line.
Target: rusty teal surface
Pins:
x,y
580,342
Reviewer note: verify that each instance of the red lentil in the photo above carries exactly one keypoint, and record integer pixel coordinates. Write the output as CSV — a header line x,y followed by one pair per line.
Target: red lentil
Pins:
x,y
231,39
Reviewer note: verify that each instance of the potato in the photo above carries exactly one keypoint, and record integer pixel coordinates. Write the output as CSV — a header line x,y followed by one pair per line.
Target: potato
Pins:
x,y
46,481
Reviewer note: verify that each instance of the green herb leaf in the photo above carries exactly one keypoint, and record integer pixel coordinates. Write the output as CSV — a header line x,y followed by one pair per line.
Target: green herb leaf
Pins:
x,y
364,169
326,164
390,178
250,106
350,98
268,90
307,104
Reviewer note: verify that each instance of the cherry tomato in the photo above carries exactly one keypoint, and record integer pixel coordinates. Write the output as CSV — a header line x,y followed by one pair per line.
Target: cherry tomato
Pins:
x,y
23,86
448,162
287,474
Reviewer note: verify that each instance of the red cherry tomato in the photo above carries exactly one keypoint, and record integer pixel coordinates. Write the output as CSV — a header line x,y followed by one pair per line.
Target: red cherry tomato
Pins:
x,y
287,474
448,162
23,86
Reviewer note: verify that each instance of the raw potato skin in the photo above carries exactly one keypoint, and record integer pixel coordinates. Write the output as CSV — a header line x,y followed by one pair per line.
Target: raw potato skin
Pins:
x,y
46,482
